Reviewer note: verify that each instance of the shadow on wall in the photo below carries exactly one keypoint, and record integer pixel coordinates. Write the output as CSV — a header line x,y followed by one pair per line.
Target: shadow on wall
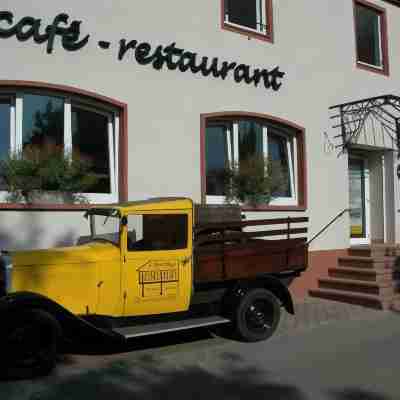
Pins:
x,y
29,234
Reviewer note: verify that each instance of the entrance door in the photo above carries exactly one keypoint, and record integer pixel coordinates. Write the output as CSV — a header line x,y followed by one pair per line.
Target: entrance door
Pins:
x,y
157,272
359,201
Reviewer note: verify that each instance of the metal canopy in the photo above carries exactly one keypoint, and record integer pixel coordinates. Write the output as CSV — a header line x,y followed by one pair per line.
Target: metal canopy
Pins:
x,y
376,116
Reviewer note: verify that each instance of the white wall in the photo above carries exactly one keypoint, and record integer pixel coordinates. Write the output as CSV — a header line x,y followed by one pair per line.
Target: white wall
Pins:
x,y
314,45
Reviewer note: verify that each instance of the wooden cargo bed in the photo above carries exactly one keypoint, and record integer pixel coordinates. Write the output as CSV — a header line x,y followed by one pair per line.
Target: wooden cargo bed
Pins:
x,y
224,251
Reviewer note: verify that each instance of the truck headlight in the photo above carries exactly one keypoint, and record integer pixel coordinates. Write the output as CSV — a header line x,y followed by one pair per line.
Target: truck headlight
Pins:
x,y
6,269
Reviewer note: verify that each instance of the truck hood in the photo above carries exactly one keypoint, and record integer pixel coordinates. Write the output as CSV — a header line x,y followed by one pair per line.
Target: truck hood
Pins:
x,y
87,253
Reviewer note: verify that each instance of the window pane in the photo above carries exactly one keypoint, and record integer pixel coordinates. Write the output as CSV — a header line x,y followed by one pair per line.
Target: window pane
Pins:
x,y
368,36
43,121
216,158
243,12
250,140
5,111
90,142
278,155
157,232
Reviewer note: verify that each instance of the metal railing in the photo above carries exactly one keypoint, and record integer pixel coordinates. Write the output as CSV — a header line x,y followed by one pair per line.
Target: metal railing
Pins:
x,y
328,225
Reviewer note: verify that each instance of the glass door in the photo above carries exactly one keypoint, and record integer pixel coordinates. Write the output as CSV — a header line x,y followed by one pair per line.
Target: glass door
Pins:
x,y
359,201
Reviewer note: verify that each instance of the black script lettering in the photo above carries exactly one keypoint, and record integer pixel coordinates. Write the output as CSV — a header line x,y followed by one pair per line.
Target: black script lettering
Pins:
x,y
8,17
38,37
212,69
124,47
34,30
70,40
187,60
23,23
171,51
141,54
226,67
159,58
258,74
256,77
197,68
242,72
54,30
275,74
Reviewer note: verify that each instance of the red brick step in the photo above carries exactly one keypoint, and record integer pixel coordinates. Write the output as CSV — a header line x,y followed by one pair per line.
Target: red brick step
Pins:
x,y
366,300
357,286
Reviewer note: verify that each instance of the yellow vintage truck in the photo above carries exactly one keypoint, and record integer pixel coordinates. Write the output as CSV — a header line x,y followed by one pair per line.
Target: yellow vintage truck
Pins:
x,y
147,267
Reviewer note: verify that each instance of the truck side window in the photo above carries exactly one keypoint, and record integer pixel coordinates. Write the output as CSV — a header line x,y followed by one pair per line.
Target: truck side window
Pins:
x,y
157,232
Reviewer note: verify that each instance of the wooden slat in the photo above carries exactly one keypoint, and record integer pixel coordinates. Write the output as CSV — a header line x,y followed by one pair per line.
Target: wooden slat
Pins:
x,y
243,224
248,235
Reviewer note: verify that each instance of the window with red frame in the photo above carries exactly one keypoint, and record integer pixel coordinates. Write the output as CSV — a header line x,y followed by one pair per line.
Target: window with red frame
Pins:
x,y
371,39
253,16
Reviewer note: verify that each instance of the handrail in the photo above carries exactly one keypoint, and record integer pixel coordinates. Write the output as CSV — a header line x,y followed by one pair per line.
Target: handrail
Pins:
x,y
328,225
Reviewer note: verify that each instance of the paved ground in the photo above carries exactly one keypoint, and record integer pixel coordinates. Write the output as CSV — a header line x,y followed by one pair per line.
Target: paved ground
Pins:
x,y
328,351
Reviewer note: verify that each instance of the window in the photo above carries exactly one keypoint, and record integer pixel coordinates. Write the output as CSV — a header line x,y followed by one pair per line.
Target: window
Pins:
x,y
371,37
157,232
232,140
251,17
81,127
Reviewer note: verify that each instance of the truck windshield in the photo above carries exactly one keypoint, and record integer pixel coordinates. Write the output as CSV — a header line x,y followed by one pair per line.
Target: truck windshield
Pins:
x,y
105,227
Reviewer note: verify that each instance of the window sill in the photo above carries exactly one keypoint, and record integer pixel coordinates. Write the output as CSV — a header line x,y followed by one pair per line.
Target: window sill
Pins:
x,y
45,207
370,68
266,37
274,208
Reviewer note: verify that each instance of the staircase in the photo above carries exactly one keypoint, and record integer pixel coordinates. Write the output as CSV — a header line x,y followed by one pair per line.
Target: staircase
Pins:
x,y
366,276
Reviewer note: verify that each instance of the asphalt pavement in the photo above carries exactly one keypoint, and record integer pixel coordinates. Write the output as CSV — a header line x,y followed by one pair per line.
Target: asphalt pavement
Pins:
x,y
328,351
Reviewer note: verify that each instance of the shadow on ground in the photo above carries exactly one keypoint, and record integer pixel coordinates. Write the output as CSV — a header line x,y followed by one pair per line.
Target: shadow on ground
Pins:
x,y
357,394
150,378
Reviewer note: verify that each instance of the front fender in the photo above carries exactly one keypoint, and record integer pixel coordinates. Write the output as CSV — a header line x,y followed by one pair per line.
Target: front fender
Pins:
x,y
76,332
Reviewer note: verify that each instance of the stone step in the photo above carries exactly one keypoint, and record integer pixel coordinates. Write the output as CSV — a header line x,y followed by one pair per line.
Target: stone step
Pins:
x,y
376,250
352,285
366,300
366,262
383,276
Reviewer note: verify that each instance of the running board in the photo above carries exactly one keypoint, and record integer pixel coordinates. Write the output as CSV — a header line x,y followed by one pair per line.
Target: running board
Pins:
x,y
163,327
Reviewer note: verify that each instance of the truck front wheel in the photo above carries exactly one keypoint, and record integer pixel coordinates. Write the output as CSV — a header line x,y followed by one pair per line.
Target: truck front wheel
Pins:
x,y
30,345
257,315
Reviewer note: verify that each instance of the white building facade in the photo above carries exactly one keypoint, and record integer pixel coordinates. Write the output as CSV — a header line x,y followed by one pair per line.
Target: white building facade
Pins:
x,y
162,95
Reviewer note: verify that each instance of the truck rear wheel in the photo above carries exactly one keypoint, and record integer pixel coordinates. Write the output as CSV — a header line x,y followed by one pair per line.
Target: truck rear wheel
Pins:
x,y
30,345
257,315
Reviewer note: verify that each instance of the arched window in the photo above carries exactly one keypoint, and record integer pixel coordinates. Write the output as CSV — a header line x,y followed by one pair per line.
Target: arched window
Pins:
x,y
74,122
231,139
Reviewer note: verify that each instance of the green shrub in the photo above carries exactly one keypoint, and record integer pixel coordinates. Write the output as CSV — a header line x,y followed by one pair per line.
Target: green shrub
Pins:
x,y
254,181
46,169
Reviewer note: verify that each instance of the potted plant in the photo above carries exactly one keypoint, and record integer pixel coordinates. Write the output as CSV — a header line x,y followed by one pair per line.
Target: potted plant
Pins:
x,y
254,181
46,174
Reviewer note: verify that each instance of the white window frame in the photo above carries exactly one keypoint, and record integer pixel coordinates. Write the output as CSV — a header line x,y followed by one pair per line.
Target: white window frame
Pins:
x,y
381,60
233,159
16,135
261,14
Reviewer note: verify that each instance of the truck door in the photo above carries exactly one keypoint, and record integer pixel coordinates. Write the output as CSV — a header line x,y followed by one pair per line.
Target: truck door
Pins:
x,y
157,265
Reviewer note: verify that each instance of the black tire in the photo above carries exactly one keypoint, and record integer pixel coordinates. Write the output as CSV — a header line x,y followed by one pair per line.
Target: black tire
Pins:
x,y
257,315
30,345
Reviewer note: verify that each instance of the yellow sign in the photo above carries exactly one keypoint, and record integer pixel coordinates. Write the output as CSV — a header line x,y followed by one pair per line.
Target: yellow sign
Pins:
x,y
356,229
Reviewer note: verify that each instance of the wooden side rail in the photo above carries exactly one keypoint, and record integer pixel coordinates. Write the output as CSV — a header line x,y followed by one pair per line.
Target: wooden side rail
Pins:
x,y
232,231
241,224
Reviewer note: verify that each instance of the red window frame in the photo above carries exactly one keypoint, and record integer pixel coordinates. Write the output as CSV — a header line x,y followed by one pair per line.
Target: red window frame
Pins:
x,y
267,37
384,38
